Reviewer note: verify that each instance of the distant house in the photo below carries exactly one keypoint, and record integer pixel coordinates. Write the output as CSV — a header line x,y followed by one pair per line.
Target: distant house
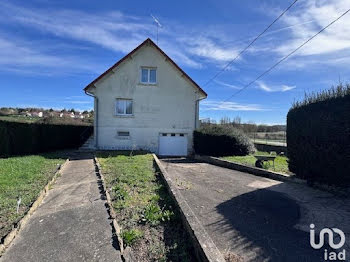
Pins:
x,y
37,114
26,113
145,101
72,115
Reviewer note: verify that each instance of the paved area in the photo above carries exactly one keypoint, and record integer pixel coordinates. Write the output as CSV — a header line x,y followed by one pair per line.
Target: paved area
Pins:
x,y
255,218
72,223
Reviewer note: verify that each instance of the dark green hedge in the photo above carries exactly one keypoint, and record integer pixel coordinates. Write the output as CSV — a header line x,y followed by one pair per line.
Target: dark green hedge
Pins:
x,y
318,139
29,138
221,140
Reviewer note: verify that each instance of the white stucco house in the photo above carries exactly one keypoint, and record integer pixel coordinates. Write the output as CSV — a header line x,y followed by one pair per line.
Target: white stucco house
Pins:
x,y
145,101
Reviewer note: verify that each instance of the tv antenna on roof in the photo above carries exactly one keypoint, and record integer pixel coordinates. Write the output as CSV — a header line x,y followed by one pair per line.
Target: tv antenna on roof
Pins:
x,y
157,23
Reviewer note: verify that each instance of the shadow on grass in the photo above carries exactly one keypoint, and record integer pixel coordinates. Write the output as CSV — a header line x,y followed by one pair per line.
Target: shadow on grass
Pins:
x,y
179,160
106,154
175,234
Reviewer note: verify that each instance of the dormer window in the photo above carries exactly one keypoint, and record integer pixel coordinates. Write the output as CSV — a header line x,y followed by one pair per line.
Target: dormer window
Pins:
x,y
148,75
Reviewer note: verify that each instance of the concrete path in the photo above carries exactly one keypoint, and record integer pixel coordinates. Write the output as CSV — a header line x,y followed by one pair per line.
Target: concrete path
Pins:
x,y
256,218
72,223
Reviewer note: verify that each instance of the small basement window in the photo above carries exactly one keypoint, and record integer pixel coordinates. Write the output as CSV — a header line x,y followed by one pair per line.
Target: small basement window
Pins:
x,y
173,134
148,75
123,133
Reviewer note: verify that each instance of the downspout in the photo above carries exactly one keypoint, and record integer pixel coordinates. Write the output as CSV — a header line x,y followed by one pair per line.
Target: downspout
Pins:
x,y
196,113
95,117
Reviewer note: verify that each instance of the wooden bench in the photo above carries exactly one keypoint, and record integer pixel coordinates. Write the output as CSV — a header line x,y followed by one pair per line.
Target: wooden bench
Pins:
x,y
261,159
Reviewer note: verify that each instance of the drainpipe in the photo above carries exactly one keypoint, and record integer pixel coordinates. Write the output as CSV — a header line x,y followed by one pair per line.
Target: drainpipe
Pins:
x,y
95,117
196,113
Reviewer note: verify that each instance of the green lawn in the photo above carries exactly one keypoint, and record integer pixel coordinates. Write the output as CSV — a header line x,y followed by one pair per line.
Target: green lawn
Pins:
x,y
150,223
24,177
281,164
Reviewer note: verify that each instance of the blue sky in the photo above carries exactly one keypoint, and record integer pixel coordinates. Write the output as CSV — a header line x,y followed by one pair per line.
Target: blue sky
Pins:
x,y
50,50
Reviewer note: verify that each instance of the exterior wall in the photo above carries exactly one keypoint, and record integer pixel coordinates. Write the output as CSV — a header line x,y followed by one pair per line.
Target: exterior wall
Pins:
x,y
167,107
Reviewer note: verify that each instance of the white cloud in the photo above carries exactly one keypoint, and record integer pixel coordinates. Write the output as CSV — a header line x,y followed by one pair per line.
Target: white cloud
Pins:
x,y
336,38
122,33
226,84
287,88
105,29
207,48
17,55
214,105
110,30
195,47
275,88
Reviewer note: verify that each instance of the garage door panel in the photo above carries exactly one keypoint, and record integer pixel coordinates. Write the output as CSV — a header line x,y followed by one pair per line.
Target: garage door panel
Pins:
x,y
172,145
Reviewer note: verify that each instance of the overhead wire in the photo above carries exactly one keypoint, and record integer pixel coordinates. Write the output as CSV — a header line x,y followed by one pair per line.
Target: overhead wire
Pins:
x,y
287,56
249,45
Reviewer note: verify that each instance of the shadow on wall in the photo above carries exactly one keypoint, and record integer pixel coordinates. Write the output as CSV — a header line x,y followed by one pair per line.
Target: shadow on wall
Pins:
x,y
265,219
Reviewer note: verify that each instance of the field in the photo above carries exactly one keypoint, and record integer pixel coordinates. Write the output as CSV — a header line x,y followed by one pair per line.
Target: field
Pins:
x,y
147,215
273,138
21,119
23,177
281,164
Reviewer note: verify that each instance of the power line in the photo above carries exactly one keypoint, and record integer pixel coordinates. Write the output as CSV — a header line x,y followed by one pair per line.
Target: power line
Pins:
x,y
250,44
284,58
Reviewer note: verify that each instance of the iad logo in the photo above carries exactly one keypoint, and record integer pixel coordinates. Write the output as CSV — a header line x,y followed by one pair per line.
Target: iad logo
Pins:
x,y
333,255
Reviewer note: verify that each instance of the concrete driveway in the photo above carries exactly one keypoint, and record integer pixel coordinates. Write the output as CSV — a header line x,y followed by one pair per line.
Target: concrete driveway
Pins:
x,y
71,224
255,218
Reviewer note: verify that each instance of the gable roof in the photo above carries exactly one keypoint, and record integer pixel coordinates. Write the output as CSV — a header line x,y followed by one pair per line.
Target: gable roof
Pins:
x,y
147,41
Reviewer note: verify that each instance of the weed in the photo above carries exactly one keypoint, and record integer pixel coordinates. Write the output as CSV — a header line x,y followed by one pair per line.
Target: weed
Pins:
x,y
153,214
131,236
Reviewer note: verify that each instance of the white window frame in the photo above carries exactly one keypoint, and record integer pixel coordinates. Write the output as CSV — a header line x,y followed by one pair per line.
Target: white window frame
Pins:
x,y
124,113
148,75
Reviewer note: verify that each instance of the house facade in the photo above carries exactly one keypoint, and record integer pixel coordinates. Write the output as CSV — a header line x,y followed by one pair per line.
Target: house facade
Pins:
x,y
145,101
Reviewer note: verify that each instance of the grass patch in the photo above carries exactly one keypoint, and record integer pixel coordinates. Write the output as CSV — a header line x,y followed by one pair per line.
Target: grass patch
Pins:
x,y
149,220
131,236
23,177
21,119
281,164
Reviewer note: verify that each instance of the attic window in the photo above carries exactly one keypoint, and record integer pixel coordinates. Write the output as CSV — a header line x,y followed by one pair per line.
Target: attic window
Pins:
x,y
148,75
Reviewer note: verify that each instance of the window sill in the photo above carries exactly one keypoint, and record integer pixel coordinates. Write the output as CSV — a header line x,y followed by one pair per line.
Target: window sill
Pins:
x,y
123,138
147,84
124,116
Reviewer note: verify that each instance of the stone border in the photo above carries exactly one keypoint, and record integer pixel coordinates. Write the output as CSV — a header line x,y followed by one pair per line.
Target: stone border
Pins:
x,y
124,253
204,246
248,169
7,240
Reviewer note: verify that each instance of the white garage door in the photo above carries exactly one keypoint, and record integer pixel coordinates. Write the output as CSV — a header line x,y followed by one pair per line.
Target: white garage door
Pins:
x,y
172,144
